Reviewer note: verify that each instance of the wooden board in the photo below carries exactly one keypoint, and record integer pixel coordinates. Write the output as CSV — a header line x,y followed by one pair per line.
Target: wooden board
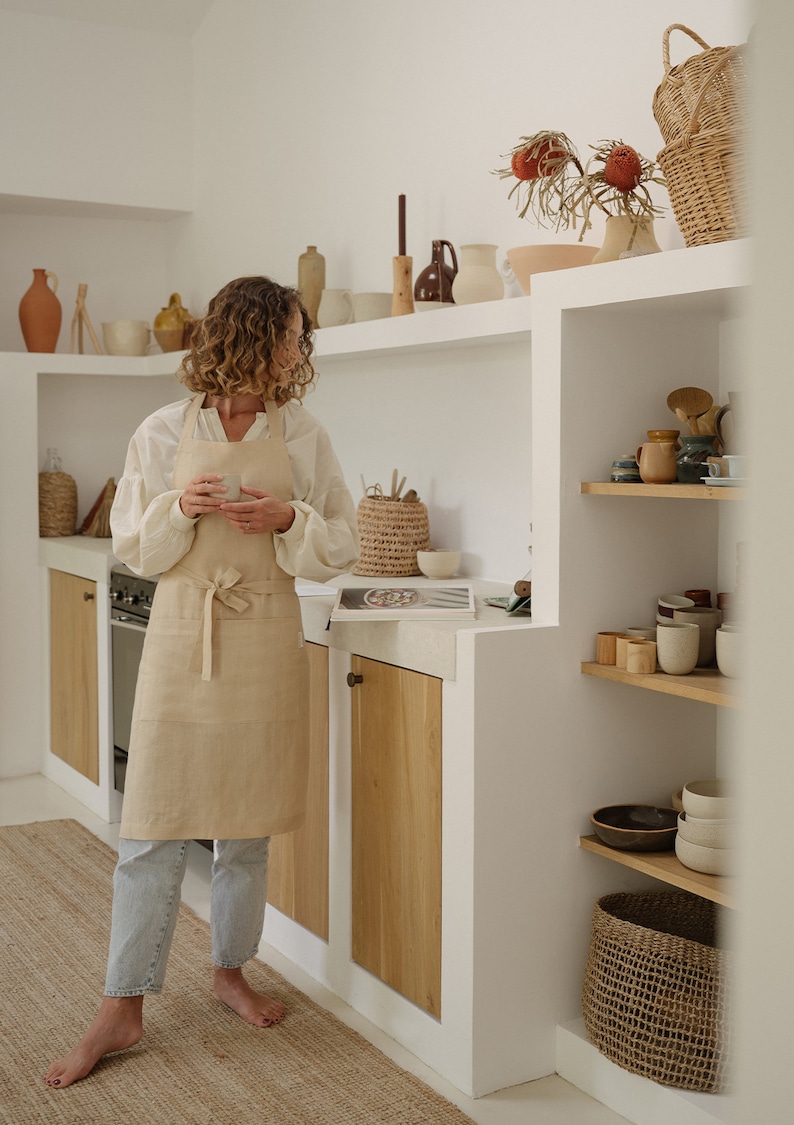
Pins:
x,y
706,685
667,867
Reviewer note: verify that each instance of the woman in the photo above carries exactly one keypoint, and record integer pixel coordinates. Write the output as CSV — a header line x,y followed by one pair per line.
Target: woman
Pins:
x,y
219,741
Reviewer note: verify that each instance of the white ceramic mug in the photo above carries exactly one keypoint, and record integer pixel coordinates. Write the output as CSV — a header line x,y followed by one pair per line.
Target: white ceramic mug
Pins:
x,y
126,337
231,482
371,306
336,307
735,465
729,644
677,645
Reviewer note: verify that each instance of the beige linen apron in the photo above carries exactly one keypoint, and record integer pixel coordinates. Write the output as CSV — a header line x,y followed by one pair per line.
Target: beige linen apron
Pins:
x,y
219,741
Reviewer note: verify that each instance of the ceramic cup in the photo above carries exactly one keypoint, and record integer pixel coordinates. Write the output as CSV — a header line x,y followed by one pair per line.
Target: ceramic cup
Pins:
x,y
126,337
336,307
707,621
232,482
641,656
606,647
699,597
729,465
729,643
677,644
371,306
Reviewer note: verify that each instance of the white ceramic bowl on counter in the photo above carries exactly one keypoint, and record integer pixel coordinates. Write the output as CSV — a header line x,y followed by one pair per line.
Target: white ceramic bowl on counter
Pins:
x,y
438,562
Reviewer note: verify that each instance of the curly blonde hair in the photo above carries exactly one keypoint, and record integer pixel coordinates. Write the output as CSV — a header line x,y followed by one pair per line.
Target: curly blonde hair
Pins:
x,y
233,349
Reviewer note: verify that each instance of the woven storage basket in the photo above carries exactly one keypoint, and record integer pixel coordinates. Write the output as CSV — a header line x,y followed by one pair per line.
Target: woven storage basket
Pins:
x,y
707,183
57,504
655,994
391,531
716,82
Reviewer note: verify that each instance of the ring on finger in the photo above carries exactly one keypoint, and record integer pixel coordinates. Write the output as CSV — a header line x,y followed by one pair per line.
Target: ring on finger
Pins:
x,y
248,527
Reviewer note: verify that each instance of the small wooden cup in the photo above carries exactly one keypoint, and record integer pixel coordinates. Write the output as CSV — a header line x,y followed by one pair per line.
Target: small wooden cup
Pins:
x,y
641,657
606,647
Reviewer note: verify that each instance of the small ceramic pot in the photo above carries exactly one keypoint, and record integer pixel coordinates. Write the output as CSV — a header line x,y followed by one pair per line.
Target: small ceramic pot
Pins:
x,y
677,644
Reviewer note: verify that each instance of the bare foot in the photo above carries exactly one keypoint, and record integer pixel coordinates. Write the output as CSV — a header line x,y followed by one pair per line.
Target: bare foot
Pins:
x,y
118,1024
232,989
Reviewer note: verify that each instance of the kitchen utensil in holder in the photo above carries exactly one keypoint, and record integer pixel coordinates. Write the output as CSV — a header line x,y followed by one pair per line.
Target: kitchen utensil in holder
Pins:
x,y
391,532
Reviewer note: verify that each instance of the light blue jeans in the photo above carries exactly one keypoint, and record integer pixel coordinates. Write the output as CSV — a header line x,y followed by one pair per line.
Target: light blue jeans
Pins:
x,y
147,888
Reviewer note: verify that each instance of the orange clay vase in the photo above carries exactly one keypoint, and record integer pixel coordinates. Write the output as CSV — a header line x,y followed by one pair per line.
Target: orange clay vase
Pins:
x,y
40,313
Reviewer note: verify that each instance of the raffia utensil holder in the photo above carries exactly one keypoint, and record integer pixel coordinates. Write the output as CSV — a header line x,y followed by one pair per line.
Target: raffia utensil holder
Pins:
x,y
655,998
391,532
57,504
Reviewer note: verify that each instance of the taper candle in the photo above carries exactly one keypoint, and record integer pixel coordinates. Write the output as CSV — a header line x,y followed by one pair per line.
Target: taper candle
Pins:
x,y
401,210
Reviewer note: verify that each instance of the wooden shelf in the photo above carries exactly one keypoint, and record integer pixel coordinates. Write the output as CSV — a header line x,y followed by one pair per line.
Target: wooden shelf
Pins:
x,y
704,684
662,491
666,867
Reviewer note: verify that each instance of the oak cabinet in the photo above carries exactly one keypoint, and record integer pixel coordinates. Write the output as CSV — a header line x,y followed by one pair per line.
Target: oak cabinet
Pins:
x,y
298,861
396,828
74,724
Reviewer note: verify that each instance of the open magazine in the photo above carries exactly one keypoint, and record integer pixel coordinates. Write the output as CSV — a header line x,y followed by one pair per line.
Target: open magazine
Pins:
x,y
392,603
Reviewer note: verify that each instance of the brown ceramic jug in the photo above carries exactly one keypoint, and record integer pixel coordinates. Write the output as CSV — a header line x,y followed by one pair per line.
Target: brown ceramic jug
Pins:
x,y
657,463
40,313
434,284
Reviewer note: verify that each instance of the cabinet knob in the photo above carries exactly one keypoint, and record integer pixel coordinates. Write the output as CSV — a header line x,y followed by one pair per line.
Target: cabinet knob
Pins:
x,y
88,597
353,679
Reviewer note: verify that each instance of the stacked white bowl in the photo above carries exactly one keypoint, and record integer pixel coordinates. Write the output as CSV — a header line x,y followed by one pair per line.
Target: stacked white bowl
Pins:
x,y
705,834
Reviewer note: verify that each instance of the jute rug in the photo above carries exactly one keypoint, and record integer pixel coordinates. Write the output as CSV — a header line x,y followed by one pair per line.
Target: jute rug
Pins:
x,y
198,1062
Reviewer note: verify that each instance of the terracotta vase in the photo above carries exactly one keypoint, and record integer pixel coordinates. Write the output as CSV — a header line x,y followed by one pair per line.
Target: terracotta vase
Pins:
x,y
627,235
478,279
40,313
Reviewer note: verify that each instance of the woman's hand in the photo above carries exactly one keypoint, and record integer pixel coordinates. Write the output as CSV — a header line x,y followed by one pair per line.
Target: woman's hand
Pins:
x,y
196,500
262,512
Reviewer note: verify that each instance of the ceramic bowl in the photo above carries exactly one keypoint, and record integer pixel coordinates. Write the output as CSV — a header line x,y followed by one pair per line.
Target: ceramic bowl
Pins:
x,y
707,799
526,260
668,603
711,861
677,801
438,562
636,828
706,833
125,337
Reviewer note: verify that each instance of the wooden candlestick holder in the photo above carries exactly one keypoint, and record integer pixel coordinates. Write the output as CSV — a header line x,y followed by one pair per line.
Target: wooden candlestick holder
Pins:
x,y
403,293
79,319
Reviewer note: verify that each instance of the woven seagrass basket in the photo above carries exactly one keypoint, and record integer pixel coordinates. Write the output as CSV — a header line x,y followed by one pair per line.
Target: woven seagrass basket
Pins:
x,y
391,532
57,504
655,998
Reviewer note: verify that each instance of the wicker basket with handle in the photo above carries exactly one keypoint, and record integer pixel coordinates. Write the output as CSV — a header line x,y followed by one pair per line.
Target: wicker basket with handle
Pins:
x,y
656,991
714,83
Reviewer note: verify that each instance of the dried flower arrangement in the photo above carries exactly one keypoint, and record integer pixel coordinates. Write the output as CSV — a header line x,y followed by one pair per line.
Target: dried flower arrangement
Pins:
x,y
559,190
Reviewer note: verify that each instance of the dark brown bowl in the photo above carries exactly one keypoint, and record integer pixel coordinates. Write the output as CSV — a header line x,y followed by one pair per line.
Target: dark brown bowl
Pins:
x,y
636,828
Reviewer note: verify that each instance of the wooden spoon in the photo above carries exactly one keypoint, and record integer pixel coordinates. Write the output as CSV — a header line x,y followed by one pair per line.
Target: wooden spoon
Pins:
x,y
693,401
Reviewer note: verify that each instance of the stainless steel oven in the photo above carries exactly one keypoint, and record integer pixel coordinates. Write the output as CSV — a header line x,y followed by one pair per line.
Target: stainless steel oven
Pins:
x,y
130,605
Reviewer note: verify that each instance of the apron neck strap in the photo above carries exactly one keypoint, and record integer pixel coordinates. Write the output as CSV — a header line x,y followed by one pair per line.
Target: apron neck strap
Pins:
x,y
274,421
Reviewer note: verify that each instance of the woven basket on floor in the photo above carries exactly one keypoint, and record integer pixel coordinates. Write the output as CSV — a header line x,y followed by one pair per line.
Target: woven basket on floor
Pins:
x,y
57,504
716,81
391,531
656,987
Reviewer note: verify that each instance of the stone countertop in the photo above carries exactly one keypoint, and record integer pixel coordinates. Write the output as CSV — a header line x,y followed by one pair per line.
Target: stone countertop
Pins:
x,y
427,646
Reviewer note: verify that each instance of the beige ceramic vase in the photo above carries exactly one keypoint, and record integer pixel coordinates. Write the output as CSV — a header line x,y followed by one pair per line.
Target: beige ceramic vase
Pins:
x,y
478,279
311,281
627,236
40,313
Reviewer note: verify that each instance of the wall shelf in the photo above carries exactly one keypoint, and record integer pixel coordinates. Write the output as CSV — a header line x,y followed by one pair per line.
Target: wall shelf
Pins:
x,y
662,491
666,867
703,684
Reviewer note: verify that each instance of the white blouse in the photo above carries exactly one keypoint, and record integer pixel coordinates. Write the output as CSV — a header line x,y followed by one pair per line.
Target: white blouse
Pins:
x,y
151,533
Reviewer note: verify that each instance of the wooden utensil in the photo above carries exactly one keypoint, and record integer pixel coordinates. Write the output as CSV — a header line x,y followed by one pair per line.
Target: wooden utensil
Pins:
x,y
692,401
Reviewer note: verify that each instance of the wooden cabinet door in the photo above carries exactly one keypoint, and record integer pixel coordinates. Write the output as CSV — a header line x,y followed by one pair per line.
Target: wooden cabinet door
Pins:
x,y
396,765
298,861
74,720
